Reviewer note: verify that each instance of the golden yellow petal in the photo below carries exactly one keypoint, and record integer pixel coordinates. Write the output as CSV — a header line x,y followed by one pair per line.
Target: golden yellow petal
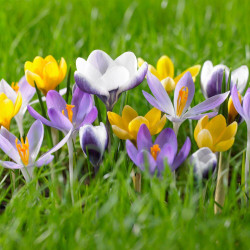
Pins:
x,y
200,125
216,127
232,112
204,139
7,110
62,69
224,145
51,76
153,71
3,97
153,116
168,83
115,119
28,66
140,61
38,65
32,77
194,70
165,67
229,132
18,103
135,124
50,58
157,128
120,133
128,114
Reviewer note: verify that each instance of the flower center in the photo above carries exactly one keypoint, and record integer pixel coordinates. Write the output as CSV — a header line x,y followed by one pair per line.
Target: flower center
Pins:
x,y
15,86
155,150
182,100
70,112
23,150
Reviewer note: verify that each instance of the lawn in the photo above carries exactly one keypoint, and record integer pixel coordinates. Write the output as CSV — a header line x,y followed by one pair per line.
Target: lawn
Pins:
x,y
108,213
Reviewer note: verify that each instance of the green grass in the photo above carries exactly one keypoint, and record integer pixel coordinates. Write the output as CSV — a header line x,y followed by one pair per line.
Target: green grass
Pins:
x,y
108,213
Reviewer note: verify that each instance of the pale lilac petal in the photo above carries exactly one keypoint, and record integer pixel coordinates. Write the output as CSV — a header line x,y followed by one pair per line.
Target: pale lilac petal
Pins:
x,y
206,105
90,117
246,105
236,102
59,120
198,117
239,77
7,90
160,93
54,100
175,119
182,155
26,90
144,140
9,149
167,154
153,101
132,151
35,138
167,136
146,161
37,116
43,161
9,136
186,82
10,165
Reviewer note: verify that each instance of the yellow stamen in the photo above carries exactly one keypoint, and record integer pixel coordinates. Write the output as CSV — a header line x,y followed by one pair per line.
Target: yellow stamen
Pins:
x,y
155,150
15,86
182,100
23,150
70,112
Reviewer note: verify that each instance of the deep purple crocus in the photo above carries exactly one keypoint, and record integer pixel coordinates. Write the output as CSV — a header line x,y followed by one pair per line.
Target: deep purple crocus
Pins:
x,y
154,155
67,117
212,78
183,96
107,78
24,153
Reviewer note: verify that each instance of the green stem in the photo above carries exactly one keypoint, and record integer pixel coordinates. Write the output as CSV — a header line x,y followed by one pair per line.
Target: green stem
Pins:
x,y
71,170
176,127
222,181
247,161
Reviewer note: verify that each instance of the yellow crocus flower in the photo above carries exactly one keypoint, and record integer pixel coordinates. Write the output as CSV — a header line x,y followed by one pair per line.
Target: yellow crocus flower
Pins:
x,y
232,112
127,125
215,134
45,72
9,109
164,71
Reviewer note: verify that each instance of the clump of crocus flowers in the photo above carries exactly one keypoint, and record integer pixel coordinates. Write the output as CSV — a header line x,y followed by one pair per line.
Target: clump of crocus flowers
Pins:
x,y
151,140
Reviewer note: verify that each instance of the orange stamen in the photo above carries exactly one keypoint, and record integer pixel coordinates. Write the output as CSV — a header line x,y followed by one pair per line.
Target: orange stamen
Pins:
x,y
23,150
15,86
155,150
70,112
182,100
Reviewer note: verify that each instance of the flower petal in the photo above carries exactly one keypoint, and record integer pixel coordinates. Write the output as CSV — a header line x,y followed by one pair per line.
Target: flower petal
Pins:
x,y
200,125
205,139
55,100
194,71
165,67
135,125
224,145
145,160
128,60
205,76
43,161
236,102
246,105
157,128
239,77
153,101
128,114
153,116
10,165
121,133
167,136
90,117
132,152
117,120
32,77
26,90
144,140
7,90
229,132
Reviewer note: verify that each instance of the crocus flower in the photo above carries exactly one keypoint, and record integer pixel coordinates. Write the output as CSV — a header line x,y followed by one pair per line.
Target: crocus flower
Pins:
x,y
204,161
107,78
215,134
93,140
27,92
9,108
66,117
212,78
155,154
24,153
45,72
183,96
127,125
244,111
164,71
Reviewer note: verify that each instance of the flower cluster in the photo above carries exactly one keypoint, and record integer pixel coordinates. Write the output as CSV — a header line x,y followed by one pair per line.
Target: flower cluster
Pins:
x,y
107,79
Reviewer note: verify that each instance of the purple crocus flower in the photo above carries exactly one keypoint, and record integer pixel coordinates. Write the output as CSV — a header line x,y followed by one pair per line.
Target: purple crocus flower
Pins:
x,y
107,78
204,161
212,78
183,96
244,112
94,139
66,117
155,154
27,92
24,153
